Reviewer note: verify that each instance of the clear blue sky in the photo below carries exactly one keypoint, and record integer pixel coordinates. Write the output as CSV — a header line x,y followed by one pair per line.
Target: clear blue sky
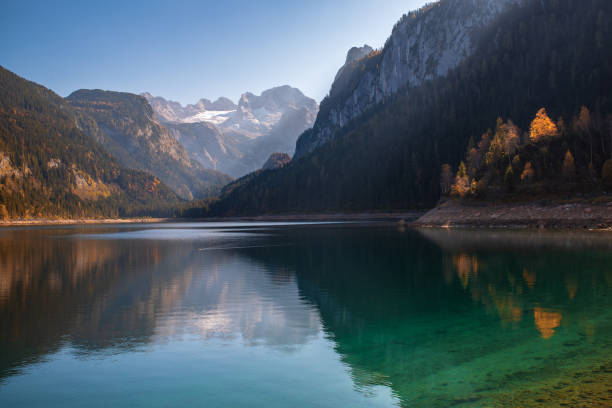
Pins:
x,y
185,50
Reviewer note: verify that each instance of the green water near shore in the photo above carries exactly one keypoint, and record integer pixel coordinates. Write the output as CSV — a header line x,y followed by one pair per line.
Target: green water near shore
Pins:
x,y
324,315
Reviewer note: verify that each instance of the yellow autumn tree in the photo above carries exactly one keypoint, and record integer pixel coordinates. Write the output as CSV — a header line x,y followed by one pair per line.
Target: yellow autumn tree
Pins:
x,y
542,126
462,182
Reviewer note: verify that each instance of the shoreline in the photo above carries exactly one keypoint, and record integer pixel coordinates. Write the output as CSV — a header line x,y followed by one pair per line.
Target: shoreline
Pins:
x,y
551,216
451,214
80,221
404,216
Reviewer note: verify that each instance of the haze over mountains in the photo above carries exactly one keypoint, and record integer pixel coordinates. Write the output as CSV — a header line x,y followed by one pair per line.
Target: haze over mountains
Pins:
x,y
237,139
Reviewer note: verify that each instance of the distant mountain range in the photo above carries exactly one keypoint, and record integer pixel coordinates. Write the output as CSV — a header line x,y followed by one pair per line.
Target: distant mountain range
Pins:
x,y
238,139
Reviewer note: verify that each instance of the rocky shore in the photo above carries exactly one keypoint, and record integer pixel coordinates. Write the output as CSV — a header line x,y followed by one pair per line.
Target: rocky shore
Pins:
x,y
576,215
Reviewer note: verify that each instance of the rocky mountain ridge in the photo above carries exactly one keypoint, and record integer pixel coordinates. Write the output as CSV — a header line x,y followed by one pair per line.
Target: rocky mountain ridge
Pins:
x,y
424,45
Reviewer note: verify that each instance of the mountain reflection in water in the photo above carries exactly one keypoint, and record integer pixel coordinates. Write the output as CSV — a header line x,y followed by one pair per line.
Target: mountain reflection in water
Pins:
x,y
366,314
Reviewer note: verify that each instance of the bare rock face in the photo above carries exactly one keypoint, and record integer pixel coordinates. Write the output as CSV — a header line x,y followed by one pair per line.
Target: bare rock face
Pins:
x,y
357,53
276,161
353,56
424,45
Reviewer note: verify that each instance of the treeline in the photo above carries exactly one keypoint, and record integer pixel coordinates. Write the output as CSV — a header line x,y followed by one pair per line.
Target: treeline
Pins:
x,y
553,53
551,158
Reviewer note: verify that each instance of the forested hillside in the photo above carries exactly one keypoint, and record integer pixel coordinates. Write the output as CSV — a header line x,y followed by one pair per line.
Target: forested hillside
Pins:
x,y
49,167
123,123
555,54
561,158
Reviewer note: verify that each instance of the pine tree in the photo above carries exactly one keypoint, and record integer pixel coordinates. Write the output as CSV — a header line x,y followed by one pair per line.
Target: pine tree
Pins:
x,y
446,179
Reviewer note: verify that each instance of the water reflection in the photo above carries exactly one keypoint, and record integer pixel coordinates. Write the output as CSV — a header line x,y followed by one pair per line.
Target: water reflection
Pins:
x,y
97,293
507,281
433,318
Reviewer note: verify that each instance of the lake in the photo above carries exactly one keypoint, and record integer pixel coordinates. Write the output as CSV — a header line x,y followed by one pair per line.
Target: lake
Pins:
x,y
303,315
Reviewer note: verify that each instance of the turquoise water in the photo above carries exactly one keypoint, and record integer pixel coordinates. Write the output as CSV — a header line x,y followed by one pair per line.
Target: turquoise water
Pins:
x,y
303,315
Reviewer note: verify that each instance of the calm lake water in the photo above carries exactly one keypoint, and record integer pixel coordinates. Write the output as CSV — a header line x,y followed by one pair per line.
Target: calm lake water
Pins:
x,y
303,315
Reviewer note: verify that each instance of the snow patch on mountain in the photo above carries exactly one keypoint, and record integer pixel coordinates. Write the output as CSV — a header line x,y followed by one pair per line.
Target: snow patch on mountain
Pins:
x,y
214,117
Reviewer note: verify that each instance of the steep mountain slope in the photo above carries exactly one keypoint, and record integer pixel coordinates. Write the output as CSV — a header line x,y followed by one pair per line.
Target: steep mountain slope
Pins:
x,y
123,123
543,53
246,134
423,45
205,143
50,167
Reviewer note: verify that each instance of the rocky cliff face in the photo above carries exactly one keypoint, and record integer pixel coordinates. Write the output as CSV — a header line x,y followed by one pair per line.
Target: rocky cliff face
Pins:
x,y
423,45
353,56
125,125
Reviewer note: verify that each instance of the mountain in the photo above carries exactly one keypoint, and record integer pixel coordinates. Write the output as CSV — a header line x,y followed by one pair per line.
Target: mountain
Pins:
x,y
50,167
246,134
353,56
257,115
125,125
170,111
423,45
553,54
280,138
205,143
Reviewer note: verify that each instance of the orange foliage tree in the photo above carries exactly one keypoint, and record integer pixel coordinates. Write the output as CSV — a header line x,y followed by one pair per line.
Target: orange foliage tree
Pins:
x,y
542,126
